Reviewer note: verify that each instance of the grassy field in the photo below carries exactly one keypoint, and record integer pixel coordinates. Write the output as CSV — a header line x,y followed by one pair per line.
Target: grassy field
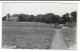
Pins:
x,y
69,36
27,35
33,35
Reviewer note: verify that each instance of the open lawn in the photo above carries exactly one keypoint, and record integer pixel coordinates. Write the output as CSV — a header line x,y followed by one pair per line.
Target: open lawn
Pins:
x,y
27,35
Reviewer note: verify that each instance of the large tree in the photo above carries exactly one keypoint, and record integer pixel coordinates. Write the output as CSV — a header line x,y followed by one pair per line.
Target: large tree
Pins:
x,y
73,16
49,18
4,18
57,19
39,18
22,17
66,18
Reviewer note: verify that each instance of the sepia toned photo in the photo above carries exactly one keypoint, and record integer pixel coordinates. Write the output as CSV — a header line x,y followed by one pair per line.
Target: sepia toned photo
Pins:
x,y
39,25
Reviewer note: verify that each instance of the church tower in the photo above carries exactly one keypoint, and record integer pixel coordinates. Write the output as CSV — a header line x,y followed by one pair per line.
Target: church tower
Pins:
x,y
7,17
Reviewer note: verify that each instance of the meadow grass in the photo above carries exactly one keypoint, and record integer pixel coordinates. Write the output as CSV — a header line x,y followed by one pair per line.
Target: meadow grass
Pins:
x,y
69,36
27,35
33,35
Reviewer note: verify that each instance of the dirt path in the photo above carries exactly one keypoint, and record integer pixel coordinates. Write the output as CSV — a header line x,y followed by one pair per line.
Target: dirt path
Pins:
x,y
58,40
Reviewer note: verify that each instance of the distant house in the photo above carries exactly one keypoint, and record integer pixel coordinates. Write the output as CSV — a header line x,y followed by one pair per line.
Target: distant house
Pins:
x,y
13,18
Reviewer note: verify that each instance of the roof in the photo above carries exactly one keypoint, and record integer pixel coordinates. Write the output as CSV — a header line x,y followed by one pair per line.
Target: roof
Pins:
x,y
13,18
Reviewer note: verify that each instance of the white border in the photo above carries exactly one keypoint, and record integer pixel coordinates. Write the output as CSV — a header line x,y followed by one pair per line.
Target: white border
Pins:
x,y
34,50
45,1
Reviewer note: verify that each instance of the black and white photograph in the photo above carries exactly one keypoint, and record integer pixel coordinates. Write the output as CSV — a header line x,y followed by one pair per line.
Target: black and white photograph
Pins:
x,y
39,25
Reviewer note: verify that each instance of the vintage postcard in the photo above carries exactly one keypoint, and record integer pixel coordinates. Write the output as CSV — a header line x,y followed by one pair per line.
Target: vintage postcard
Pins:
x,y
39,25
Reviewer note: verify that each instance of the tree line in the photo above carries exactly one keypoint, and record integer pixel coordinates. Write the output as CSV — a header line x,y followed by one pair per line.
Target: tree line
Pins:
x,y
47,18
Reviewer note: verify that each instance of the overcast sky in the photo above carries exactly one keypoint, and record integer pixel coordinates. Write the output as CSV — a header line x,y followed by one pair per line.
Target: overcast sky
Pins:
x,y
37,8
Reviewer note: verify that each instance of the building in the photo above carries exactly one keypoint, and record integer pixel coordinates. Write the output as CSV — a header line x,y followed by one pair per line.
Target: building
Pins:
x,y
7,17
13,18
